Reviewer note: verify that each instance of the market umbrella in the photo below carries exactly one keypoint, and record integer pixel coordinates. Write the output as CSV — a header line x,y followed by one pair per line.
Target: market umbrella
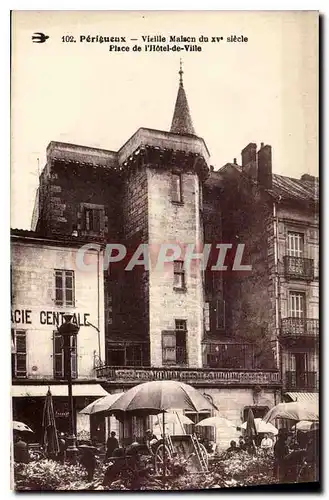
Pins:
x,y
218,422
251,431
101,404
306,426
296,410
159,396
50,437
262,427
152,398
173,420
21,427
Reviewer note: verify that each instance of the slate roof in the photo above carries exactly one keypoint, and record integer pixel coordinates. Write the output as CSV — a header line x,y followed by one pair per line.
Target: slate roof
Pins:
x,y
283,187
182,121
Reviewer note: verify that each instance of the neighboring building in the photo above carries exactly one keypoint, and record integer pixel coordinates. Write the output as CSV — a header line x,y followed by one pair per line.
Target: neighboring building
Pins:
x,y
277,217
46,283
170,325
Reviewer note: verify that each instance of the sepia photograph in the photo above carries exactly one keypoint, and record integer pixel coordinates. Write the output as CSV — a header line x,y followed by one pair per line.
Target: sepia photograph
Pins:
x,y
164,240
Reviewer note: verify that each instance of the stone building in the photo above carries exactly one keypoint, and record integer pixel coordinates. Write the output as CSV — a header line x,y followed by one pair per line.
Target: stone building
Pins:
x,y
46,283
278,219
175,323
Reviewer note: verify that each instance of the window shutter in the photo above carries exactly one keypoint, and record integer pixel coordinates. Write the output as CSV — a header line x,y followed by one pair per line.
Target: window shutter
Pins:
x,y
169,346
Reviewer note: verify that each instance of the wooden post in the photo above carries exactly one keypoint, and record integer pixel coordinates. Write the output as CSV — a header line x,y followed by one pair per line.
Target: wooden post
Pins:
x,y
164,448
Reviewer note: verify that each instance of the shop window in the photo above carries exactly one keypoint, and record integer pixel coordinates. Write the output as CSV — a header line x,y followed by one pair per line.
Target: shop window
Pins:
x,y
19,354
64,287
59,368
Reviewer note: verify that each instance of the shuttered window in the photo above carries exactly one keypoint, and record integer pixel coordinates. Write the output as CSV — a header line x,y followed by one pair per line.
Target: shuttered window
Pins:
x,y
59,371
64,287
92,220
19,354
179,274
220,314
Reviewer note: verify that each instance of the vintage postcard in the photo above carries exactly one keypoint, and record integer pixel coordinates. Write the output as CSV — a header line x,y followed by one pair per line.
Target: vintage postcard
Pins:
x,y
164,250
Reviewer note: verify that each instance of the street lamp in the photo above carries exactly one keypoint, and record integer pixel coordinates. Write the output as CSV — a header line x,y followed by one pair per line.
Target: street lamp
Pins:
x,y
69,330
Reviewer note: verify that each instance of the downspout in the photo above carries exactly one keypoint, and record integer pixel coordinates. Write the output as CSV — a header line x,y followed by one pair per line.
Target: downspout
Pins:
x,y
277,288
98,308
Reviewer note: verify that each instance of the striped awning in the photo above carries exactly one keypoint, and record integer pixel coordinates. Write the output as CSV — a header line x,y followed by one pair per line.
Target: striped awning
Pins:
x,y
304,397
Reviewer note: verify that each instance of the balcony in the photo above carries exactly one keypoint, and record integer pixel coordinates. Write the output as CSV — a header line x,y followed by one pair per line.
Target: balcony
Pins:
x,y
204,377
301,381
298,268
299,327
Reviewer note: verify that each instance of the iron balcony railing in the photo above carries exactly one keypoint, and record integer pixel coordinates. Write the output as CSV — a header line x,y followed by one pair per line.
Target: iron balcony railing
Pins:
x,y
298,268
301,381
299,327
228,355
174,355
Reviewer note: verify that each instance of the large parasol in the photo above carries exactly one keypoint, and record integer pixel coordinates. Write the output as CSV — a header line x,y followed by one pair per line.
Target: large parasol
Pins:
x,y
156,397
152,398
218,422
21,427
50,437
102,404
296,410
262,427
306,426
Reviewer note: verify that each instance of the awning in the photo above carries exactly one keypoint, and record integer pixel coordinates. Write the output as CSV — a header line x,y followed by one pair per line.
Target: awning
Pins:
x,y
304,397
25,391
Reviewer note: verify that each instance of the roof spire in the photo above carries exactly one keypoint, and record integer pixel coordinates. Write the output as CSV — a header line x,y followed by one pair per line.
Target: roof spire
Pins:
x,y
181,122
181,72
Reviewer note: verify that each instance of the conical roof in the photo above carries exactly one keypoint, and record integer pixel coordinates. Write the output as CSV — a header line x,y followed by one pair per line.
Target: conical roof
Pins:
x,y
182,121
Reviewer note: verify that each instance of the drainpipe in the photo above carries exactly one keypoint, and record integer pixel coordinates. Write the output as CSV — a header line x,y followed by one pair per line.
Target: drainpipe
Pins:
x,y
98,307
277,288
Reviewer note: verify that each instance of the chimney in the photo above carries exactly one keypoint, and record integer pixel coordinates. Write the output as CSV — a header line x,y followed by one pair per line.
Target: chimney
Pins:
x,y
307,177
249,160
264,176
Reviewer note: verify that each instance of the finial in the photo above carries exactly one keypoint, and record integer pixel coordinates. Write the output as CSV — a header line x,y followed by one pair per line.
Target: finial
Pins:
x,y
181,72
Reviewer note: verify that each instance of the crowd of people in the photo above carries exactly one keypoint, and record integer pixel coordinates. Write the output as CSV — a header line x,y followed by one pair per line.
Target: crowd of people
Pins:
x,y
249,445
292,452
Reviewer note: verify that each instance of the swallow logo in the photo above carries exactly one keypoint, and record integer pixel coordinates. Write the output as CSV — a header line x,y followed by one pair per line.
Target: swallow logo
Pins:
x,y
39,37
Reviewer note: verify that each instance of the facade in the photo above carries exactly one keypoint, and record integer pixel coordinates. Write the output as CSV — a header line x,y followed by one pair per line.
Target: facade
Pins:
x,y
218,331
277,217
46,284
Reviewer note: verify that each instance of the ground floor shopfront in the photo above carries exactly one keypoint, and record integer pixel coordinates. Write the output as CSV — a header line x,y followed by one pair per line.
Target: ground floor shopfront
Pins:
x,y
28,406
232,392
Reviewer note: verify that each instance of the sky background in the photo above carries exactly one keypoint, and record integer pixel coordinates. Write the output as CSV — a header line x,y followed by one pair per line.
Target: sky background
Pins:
x,y
264,90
